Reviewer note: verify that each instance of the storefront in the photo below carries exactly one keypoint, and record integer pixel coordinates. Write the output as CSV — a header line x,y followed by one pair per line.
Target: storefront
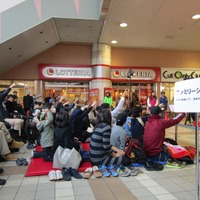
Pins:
x,y
170,75
66,80
140,83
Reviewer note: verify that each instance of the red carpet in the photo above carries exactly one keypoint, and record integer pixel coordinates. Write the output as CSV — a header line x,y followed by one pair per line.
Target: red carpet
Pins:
x,y
39,167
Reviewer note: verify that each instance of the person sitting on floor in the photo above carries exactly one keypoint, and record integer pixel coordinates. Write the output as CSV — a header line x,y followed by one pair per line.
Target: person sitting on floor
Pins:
x,y
154,133
102,152
63,135
137,124
118,134
46,129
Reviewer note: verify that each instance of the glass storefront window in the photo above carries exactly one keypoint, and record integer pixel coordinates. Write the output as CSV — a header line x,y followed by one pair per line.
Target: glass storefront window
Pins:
x,y
69,90
168,88
141,90
21,87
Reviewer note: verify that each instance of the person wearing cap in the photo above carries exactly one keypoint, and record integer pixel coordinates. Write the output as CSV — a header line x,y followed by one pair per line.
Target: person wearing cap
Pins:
x,y
154,133
163,103
137,124
118,133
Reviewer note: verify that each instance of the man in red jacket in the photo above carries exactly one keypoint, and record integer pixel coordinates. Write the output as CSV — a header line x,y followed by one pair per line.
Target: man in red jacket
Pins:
x,y
154,133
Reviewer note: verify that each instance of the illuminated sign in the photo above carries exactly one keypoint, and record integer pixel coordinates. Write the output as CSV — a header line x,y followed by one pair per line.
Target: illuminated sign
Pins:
x,y
51,72
173,75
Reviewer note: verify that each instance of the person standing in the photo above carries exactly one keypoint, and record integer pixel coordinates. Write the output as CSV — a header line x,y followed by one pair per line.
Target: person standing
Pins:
x,y
152,100
28,102
163,103
108,99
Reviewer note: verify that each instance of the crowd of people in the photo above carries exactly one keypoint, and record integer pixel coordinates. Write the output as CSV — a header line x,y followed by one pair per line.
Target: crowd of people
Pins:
x,y
51,122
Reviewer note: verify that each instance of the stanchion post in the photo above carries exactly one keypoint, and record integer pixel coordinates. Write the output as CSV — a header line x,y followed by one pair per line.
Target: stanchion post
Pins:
x,y
197,155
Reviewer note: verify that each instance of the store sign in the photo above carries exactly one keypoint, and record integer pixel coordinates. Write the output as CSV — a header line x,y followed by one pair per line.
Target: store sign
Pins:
x,y
139,74
187,96
51,72
174,75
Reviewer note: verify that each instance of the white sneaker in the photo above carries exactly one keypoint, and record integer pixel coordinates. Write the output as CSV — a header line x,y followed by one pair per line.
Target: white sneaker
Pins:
x,y
59,175
52,175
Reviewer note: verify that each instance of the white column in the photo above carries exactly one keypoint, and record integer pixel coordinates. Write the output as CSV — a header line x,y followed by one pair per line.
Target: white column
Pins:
x,y
101,61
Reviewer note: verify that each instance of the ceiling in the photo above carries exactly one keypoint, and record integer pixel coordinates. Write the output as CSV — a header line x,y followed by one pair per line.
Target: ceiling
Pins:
x,y
152,24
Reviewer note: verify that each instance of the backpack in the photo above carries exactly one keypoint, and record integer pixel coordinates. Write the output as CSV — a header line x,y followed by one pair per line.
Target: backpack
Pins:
x,y
135,151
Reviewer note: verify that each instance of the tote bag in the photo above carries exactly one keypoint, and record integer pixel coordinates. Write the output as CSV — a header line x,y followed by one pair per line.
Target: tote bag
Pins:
x,y
64,157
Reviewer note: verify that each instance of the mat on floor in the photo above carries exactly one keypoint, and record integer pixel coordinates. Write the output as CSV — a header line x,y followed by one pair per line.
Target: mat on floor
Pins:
x,y
39,167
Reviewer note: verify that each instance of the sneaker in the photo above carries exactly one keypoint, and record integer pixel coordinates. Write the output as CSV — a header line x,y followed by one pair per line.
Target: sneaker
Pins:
x,y
59,175
66,174
153,166
121,172
52,175
112,170
9,157
176,165
24,161
19,162
133,171
125,169
30,146
104,171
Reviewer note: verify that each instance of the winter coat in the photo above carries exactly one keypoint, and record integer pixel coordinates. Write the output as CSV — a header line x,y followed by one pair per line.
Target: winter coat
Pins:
x,y
154,133
46,128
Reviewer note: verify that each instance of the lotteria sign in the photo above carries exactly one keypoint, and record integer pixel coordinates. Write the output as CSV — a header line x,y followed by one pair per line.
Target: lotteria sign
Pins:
x,y
65,72
178,74
143,74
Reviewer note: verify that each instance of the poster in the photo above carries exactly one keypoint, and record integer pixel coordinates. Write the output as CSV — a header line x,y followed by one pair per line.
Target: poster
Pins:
x,y
94,95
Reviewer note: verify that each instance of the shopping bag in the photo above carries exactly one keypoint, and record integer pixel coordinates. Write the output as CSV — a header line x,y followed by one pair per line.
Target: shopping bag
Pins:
x,y
64,157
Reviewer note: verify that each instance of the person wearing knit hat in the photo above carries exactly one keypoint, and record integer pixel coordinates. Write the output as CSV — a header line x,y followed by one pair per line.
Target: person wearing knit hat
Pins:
x,y
154,133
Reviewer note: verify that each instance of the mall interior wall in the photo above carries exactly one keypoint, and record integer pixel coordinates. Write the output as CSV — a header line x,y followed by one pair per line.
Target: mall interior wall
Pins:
x,y
82,54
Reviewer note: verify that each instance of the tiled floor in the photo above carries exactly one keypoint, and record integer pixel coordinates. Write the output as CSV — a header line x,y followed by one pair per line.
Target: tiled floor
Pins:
x,y
168,184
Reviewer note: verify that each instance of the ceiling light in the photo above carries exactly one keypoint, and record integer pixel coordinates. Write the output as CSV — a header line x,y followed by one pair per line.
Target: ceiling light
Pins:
x,y
114,41
196,16
123,25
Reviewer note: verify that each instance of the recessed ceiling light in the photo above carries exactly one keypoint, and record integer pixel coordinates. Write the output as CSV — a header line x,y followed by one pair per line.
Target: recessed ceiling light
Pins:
x,y
114,41
123,24
196,16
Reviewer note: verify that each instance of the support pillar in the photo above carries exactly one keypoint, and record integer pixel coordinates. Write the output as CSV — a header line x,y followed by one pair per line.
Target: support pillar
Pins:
x,y
101,62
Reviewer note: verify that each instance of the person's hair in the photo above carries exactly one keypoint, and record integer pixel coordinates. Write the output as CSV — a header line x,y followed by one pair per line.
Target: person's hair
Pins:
x,y
62,117
9,95
152,96
15,96
47,106
127,112
105,105
104,116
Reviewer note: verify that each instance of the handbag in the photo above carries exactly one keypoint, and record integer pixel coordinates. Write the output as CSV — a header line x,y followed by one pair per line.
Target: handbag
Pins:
x,y
67,158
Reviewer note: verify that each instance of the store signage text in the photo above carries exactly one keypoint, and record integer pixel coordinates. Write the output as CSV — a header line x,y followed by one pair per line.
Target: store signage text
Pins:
x,y
137,74
180,75
61,72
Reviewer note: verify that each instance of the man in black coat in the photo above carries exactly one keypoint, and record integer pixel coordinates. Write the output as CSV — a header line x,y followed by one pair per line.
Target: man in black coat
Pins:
x,y
28,102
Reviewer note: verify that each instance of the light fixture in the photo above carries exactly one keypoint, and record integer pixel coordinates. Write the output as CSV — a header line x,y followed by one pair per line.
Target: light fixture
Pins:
x,y
197,16
114,41
123,25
